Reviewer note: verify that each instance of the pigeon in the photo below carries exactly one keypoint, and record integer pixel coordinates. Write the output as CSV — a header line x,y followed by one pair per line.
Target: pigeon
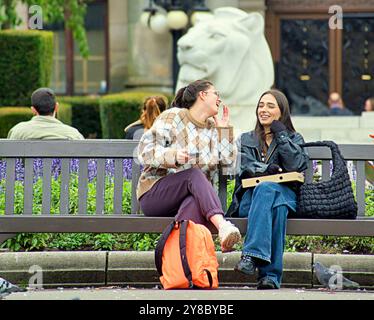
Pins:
x,y
331,279
7,288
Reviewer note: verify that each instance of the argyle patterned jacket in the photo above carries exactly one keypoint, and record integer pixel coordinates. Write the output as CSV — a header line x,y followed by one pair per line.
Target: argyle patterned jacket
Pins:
x,y
176,129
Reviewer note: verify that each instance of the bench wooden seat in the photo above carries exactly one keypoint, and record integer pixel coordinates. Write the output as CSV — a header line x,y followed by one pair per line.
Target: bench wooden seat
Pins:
x,y
363,226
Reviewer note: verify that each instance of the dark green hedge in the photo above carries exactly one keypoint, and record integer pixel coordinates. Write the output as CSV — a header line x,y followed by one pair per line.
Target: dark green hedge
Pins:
x,y
10,116
117,111
25,64
84,115
64,113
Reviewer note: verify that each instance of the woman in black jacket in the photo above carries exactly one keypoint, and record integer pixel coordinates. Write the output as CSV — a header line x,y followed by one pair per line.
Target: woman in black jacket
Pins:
x,y
272,148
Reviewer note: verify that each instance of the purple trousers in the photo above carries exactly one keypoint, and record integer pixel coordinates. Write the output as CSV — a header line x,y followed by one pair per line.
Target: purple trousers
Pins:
x,y
187,195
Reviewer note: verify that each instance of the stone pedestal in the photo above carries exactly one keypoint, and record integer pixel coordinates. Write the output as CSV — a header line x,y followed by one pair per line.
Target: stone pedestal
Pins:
x,y
253,5
150,54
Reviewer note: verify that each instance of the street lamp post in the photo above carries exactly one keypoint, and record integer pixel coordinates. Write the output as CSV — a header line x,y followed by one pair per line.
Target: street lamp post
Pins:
x,y
180,16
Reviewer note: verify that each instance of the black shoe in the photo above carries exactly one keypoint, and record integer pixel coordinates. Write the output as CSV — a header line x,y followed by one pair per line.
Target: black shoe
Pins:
x,y
265,284
246,265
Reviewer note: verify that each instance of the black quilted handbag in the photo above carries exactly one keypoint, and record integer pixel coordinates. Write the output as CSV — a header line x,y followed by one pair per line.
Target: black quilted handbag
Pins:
x,y
332,199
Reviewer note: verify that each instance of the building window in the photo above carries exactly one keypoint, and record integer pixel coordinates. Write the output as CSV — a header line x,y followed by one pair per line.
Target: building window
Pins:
x,y
90,75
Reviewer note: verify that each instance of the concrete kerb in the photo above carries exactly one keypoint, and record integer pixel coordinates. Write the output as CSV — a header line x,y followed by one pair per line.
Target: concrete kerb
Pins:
x,y
130,268
86,268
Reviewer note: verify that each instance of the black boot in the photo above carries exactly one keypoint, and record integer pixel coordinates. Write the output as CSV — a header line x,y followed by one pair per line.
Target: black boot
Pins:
x,y
266,283
246,265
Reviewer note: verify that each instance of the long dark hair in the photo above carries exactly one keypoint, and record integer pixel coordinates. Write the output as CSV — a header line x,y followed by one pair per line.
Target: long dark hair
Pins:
x,y
187,96
285,117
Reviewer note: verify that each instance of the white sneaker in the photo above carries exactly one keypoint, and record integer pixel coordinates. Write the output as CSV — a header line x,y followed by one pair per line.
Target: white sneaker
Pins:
x,y
229,235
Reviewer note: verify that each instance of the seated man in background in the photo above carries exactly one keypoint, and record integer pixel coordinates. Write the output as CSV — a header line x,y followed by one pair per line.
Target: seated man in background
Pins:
x,y
44,124
336,106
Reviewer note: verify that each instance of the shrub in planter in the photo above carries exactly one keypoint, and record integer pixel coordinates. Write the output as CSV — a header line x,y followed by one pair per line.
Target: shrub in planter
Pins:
x,y
25,64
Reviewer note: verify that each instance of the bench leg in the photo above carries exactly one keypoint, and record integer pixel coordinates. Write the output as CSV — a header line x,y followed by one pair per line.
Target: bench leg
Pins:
x,y
6,236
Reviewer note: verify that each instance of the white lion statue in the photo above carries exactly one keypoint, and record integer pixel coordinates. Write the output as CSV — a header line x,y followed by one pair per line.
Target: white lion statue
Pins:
x,y
230,50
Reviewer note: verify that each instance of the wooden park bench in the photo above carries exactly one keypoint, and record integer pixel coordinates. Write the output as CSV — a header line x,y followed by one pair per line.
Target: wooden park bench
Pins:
x,y
116,221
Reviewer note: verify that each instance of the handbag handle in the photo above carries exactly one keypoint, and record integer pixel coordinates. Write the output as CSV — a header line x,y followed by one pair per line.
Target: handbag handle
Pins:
x,y
337,158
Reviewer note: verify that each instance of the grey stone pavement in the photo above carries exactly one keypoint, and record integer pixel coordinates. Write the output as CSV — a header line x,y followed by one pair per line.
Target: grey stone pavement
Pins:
x,y
225,293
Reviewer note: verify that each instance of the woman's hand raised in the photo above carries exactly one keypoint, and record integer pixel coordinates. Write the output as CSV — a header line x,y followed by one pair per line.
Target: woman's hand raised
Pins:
x,y
224,122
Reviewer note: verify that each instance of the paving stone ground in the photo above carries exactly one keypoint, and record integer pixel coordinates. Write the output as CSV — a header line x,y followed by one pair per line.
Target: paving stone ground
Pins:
x,y
246,293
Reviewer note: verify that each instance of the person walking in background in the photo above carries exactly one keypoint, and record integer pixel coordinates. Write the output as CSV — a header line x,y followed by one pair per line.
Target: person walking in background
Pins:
x,y
336,106
152,108
180,155
369,104
44,124
271,148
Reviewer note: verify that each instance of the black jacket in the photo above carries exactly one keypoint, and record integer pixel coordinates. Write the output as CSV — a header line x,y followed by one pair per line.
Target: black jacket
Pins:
x,y
283,151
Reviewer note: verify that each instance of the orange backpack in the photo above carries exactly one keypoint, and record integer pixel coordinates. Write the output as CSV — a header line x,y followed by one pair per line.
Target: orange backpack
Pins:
x,y
185,257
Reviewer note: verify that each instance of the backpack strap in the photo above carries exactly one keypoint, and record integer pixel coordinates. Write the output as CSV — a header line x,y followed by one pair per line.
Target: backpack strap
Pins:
x,y
161,244
183,251
210,278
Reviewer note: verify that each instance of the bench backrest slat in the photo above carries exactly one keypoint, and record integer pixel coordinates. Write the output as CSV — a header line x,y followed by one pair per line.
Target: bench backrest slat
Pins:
x,y
222,189
325,170
135,174
360,187
64,193
309,172
118,186
82,185
100,186
46,196
9,185
118,150
28,186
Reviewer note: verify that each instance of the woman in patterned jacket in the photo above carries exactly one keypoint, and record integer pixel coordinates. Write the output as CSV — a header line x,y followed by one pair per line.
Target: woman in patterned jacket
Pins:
x,y
180,155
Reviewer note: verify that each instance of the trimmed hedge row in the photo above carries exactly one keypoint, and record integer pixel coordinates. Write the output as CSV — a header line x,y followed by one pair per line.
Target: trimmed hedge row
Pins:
x,y
10,116
95,117
117,111
83,114
64,113
25,64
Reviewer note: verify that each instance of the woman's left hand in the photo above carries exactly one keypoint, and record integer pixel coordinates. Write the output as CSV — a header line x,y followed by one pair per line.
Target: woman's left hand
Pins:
x,y
224,122
277,126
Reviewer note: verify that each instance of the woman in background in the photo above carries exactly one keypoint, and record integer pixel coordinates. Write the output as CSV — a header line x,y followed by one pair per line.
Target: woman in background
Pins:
x,y
152,108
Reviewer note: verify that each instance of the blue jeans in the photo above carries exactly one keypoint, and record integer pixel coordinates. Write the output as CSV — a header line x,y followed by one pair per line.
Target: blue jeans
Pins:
x,y
266,207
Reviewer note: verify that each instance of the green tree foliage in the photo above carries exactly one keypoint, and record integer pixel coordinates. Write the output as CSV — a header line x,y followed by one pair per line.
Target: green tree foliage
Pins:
x,y
72,12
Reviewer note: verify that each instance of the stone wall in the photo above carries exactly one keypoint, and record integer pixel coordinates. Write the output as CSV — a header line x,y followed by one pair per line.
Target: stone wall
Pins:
x,y
355,129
